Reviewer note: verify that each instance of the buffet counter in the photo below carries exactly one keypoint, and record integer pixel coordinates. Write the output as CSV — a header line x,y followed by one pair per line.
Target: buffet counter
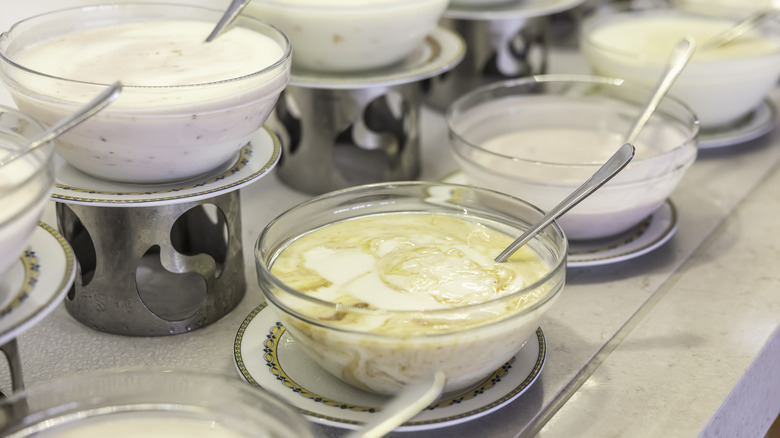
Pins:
x,y
681,341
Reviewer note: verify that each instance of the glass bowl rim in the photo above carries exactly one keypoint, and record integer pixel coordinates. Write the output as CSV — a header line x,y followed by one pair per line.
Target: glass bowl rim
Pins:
x,y
278,65
554,272
689,142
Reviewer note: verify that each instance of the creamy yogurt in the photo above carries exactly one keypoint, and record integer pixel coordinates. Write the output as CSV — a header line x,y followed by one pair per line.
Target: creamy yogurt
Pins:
x,y
186,108
24,188
135,425
721,84
353,35
150,54
541,148
403,262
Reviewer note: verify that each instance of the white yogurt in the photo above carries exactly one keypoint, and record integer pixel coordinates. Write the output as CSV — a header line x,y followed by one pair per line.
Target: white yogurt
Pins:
x,y
146,425
720,84
536,157
336,35
150,54
410,262
24,189
187,106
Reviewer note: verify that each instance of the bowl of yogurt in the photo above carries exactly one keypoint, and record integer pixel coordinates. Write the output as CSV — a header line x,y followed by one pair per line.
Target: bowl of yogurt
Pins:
x,y
538,138
351,35
381,283
722,85
151,403
25,183
187,107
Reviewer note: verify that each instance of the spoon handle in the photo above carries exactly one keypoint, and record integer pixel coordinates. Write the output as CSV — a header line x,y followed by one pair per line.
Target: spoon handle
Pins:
x,y
235,8
678,59
739,29
412,399
615,164
88,110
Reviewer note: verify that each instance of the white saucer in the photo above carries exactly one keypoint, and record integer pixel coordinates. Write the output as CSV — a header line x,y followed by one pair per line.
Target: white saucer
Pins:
x,y
514,10
650,234
253,161
266,356
442,51
754,125
36,283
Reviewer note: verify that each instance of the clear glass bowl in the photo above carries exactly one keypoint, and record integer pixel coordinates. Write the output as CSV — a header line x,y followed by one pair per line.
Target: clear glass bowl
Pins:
x,y
584,120
25,183
467,342
154,132
721,85
347,36
149,403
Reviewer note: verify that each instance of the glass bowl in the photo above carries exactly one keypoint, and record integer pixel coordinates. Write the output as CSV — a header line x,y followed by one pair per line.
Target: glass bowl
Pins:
x,y
721,85
25,183
150,403
538,138
185,109
353,35
403,319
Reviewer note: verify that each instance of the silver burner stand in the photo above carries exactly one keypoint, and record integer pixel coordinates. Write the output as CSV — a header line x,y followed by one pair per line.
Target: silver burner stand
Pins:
x,y
155,270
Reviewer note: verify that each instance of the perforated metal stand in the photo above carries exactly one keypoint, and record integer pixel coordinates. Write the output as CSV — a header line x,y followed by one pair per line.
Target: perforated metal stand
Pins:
x,y
11,352
337,138
155,270
498,49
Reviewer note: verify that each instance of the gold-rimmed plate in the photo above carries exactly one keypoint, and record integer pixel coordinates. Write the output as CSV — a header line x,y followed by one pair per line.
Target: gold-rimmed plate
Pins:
x,y
268,357
36,283
254,160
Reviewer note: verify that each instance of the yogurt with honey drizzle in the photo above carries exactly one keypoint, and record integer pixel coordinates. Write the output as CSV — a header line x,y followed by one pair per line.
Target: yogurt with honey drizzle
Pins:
x,y
409,262
187,106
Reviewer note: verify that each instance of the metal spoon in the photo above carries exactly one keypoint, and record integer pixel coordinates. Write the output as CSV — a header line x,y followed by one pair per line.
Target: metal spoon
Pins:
x,y
739,29
679,57
235,8
615,164
415,397
88,110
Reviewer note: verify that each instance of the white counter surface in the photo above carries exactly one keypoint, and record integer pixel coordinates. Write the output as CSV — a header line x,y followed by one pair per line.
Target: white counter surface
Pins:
x,y
683,341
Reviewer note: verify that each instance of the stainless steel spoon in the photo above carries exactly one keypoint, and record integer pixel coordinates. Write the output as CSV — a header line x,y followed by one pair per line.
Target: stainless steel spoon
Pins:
x,y
235,8
88,110
615,164
679,57
415,397
739,29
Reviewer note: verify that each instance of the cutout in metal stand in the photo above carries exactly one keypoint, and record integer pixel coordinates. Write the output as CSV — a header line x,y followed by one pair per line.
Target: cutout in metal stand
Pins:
x,y
159,270
498,49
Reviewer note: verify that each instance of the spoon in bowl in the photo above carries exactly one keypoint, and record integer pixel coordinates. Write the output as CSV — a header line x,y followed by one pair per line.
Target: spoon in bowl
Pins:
x,y
740,28
412,399
88,110
681,54
235,8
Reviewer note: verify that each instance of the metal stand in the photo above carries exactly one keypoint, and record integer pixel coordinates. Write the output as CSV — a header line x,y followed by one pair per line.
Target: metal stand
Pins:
x,y
337,138
11,352
498,49
156,270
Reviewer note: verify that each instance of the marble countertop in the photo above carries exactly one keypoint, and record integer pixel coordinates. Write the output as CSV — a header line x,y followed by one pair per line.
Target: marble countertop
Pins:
x,y
682,341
